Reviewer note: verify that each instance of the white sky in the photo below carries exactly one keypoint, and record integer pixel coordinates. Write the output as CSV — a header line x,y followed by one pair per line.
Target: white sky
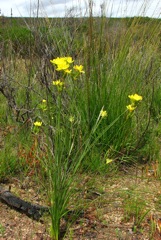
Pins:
x,y
61,8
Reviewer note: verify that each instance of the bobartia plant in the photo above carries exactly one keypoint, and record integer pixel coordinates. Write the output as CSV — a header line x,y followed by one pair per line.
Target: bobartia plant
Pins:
x,y
61,122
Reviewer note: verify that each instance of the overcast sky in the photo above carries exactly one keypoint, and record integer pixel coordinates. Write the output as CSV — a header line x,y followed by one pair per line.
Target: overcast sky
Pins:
x,y
62,8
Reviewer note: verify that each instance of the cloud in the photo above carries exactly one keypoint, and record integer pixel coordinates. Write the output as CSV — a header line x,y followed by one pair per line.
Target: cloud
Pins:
x,y
61,8
46,7
60,1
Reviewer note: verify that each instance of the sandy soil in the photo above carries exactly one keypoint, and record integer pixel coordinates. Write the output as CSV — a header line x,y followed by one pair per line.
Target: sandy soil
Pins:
x,y
111,212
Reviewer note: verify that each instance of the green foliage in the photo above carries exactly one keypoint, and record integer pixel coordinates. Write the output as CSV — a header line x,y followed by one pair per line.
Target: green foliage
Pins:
x,y
2,230
156,105
10,165
19,37
135,210
19,34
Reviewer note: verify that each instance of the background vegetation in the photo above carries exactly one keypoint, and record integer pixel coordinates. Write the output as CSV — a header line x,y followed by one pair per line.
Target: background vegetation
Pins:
x,y
120,57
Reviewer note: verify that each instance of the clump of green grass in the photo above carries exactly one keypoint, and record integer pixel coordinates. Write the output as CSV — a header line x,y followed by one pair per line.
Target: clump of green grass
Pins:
x,y
2,230
135,210
62,123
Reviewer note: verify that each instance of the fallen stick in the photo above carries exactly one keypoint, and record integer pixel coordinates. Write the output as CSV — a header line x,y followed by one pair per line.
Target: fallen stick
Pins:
x,y
34,211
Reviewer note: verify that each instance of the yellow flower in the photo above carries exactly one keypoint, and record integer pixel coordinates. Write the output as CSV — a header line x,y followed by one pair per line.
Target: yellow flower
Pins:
x,y
62,63
71,119
68,59
37,124
135,97
62,66
44,101
68,71
131,107
108,160
58,83
103,113
57,61
79,68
